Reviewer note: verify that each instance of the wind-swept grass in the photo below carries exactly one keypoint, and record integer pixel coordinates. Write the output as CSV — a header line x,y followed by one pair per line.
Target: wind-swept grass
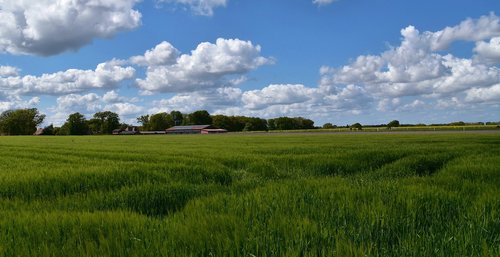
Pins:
x,y
251,195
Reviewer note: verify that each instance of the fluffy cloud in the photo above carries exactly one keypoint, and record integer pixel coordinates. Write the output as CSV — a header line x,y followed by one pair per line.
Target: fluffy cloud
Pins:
x,y
79,103
8,71
124,109
488,52
416,68
163,54
113,97
323,2
276,95
468,30
208,66
199,7
48,27
106,75
270,101
213,100
484,95
17,103
91,103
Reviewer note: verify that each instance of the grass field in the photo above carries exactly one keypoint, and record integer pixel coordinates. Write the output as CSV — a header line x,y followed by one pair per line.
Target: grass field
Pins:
x,y
251,195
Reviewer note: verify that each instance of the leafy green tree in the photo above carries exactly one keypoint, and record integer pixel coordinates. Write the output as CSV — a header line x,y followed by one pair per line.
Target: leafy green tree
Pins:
x,y
20,122
177,117
224,122
258,124
94,126
239,123
329,126
160,121
284,123
48,130
57,131
457,123
357,126
248,127
109,121
303,123
76,124
144,121
271,124
287,123
124,126
393,124
201,117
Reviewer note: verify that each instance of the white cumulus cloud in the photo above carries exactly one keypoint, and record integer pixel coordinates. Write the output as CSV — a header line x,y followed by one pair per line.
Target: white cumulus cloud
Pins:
x,y
276,95
208,66
484,95
488,52
213,100
8,71
90,103
49,27
417,68
163,54
106,75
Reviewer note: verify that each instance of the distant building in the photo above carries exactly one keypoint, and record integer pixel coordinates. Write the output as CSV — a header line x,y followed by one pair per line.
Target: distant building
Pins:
x,y
157,132
194,129
132,130
39,132
213,131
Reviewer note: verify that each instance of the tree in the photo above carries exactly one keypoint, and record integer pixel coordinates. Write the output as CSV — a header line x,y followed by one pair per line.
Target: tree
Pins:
x,y
329,126
201,117
177,117
284,123
287,123
94,126
76,124
248,127
224,122
144,120
303,123
271,124
357,126
160,121
393,124
48,130
109,121
20,122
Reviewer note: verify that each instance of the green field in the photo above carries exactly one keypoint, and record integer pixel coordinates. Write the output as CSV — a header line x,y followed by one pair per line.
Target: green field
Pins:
x,y
251,195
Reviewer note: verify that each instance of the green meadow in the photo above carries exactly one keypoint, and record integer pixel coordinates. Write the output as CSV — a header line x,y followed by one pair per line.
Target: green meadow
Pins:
x,y
251,195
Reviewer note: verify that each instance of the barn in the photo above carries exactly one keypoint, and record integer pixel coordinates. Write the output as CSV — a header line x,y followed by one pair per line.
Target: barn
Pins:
x,y
195,129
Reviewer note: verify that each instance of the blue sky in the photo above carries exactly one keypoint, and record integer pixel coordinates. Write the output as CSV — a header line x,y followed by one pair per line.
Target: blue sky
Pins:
x,y
339,61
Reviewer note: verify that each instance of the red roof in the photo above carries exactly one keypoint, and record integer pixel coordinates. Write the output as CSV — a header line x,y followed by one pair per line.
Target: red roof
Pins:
x,y
193,127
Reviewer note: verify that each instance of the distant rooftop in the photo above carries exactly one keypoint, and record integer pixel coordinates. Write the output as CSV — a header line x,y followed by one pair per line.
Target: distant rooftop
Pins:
x,y
192,127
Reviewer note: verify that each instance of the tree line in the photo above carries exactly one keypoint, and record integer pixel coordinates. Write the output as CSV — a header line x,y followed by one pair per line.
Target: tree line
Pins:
x,y
26,121
162,121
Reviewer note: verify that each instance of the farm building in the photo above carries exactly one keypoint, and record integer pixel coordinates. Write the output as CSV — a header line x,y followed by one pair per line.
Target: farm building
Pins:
x,y
131,130
195,129
155,132
213,131
39,132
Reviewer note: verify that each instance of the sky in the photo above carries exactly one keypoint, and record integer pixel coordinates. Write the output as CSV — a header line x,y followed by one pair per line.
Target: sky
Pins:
x,y
336,61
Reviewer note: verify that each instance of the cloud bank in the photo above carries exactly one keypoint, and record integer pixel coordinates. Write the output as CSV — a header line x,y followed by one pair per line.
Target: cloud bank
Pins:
x,y
49,27
208,66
